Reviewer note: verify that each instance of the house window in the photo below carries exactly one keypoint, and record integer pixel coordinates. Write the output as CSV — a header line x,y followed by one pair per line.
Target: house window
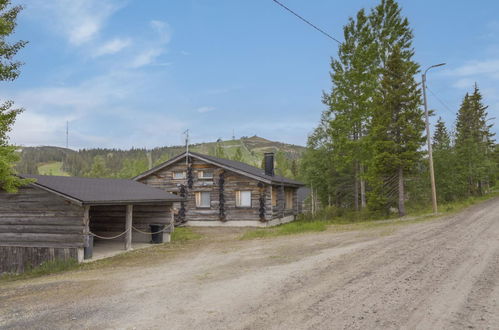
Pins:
x,y
179,175
243,198
203,199
205,175
289,199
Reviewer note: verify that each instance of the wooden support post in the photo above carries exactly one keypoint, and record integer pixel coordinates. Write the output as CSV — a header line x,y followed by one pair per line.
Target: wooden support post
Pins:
x,y
128,227
86,219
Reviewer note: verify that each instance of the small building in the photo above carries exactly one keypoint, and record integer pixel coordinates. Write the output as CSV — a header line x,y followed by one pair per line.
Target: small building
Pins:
x,y
54,218
222,192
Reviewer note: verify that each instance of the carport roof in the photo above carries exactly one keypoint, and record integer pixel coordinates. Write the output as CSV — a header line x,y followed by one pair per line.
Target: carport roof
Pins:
x,y
100,191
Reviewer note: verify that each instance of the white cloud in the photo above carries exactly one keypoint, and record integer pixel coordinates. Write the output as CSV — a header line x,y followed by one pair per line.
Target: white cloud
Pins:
x,y
485,67
146,57
79,20
112,47
205,109
154,48
163,30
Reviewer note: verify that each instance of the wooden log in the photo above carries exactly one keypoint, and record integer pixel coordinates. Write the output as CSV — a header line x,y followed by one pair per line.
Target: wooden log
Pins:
x,y
129,220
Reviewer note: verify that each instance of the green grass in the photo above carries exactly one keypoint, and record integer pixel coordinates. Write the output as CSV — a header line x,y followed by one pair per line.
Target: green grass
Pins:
x,y
294,227
52,168
184,234
49,267
349,221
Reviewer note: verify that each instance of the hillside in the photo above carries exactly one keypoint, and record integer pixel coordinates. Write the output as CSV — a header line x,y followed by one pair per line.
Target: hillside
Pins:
x,y
127,163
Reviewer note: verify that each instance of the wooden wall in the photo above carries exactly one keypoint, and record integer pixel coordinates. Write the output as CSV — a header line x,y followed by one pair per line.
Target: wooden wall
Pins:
x,y
37,226
107,219
34,217
163,179
17,259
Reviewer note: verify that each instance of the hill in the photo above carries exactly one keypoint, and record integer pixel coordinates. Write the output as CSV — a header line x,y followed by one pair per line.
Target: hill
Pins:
x,y
128,163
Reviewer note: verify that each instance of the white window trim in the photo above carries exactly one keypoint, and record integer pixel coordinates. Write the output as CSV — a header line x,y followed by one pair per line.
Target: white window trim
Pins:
x,y
184,175
239,201
199,200
202,173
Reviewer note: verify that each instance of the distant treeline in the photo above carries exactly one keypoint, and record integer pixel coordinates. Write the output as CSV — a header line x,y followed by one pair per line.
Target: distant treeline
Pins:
x,y
118,163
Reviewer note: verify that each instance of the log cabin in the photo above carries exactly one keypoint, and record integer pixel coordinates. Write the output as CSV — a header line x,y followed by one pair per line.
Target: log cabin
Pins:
x,y
56,218
222,192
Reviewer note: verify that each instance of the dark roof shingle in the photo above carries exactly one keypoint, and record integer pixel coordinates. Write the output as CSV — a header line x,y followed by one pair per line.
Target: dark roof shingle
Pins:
x,y
102,190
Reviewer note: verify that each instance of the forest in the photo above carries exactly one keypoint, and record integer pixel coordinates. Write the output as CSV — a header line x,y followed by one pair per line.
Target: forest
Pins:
x,y
368,151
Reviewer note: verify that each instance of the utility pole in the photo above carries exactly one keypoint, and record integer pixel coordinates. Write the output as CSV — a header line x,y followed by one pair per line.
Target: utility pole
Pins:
x,y
428,138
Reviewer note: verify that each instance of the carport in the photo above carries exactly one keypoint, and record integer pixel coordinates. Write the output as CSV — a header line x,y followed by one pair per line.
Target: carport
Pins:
x,y
59,217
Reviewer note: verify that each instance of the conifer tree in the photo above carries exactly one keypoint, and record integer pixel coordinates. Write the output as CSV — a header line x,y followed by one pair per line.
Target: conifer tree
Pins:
x,y
444,163
474,145
9,70
396,132
350,102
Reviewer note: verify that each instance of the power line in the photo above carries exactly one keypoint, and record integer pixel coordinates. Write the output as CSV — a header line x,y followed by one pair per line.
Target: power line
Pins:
x,y
308,22
440,101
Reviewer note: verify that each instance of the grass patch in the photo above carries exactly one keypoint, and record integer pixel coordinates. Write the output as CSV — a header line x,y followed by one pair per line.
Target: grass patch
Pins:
x,y
52,168
294,227
183,234
348,221
48,267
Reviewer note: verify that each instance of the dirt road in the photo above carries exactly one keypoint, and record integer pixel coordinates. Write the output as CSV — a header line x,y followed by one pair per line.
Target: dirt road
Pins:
x,y
430,275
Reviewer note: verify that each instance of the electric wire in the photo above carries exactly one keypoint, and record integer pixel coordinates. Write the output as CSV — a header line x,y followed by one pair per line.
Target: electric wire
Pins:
x,y
440,101
308,22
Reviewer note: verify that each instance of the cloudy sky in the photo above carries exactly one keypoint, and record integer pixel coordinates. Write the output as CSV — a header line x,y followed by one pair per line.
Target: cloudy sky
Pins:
x,y
130,73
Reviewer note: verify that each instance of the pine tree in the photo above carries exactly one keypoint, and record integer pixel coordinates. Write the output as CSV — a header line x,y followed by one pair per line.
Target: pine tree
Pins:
x,y
396,132
9,70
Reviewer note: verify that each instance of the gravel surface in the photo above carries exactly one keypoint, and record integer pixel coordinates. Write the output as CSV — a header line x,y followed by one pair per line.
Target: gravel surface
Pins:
x,y
430,275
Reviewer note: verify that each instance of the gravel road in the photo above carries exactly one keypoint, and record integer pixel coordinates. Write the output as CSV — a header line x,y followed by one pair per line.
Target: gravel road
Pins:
x,y
435,274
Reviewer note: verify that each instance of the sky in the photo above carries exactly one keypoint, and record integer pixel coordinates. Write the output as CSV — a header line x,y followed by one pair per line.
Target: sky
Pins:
x,y
130,73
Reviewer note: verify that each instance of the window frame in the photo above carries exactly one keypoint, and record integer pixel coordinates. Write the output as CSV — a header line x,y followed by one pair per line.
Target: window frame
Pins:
x,y
199,199
184,175
239,200
202,177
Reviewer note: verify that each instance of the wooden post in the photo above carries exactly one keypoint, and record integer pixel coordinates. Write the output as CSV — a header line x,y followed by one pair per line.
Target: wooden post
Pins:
x,y
86,219
128,226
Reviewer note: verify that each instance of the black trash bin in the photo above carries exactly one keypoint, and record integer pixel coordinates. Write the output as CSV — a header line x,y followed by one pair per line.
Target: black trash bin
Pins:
x,y
88,250
157,233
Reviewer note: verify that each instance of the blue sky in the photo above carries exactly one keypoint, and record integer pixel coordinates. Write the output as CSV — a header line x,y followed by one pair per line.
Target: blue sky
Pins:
x,y
129,73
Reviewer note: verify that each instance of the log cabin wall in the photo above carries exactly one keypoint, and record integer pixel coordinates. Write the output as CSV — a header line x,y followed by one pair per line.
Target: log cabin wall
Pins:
x,y
109,220
37,226
164,179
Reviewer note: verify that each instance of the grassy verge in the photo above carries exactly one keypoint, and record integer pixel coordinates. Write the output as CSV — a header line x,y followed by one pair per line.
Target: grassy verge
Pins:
x,y
181,237
351,221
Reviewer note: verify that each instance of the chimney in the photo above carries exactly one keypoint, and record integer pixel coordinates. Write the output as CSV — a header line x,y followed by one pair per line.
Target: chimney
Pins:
x,y
269,163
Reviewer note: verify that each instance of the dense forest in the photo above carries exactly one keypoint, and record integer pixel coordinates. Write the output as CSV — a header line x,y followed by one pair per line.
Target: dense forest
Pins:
x,y
368,151
128,163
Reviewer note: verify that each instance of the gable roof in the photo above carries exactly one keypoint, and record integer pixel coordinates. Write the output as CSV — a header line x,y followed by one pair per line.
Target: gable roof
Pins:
x,y
231,165
100,191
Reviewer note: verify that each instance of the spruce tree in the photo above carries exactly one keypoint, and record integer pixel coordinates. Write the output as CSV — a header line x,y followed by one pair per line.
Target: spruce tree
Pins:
x,y
396,132
9,70
350,103
474,145
444,163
